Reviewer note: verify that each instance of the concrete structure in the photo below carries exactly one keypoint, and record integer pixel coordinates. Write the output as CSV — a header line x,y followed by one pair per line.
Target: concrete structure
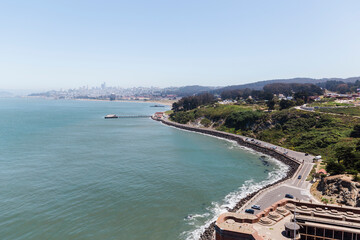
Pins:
x,y
292,230
313,221
158,115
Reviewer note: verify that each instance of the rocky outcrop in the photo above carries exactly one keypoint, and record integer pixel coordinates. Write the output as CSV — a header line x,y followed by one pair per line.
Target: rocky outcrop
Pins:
x,y
341,189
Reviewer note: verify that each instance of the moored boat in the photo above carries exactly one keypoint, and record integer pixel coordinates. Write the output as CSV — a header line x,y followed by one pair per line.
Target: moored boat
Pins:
x,y
111,116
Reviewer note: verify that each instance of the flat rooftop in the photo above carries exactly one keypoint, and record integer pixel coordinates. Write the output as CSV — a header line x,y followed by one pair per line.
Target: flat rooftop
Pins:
x,y
270,223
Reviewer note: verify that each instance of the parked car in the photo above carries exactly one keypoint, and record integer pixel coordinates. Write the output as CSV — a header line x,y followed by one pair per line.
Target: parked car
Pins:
x,y
299,177
256,207
289,196
306,154
251,211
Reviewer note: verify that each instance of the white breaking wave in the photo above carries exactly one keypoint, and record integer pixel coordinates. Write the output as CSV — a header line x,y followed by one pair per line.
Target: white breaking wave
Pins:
x,y
202,221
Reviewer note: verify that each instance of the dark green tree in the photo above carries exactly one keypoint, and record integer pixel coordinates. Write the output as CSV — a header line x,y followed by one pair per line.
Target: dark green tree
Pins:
x,y
302,95
356,132
271,104
192,102
343,88
242,120
284,104
344,153
335,168
358,146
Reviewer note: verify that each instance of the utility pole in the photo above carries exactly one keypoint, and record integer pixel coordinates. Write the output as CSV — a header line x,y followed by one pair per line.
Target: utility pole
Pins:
x,y
295,223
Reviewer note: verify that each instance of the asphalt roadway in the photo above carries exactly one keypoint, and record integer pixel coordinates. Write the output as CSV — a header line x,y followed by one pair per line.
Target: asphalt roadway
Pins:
x,y
299,188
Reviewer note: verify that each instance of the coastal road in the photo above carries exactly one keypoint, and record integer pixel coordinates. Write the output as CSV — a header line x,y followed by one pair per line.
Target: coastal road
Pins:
x,y
335,114
267,199
299,188
300,156
304,172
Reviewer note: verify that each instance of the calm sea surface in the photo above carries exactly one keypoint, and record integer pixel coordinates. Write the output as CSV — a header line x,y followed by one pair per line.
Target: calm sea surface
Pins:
x,y
67,173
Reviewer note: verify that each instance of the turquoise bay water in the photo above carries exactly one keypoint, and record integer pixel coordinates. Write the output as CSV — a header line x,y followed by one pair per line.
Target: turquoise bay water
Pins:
x,y
67,173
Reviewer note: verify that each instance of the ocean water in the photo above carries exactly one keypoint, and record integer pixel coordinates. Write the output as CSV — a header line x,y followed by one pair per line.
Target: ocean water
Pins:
x,y
67,173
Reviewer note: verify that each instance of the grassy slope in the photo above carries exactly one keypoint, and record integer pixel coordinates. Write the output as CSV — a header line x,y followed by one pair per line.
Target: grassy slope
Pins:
x,y
314,133
351,111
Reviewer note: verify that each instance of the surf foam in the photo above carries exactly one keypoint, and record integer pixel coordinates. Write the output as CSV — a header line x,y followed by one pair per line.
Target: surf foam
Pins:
x,y
202,221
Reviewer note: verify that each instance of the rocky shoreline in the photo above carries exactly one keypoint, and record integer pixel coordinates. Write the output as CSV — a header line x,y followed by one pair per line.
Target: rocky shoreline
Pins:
x,y
290,162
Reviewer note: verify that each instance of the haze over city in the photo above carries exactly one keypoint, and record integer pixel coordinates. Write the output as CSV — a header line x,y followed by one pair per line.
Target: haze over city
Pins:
x,y
67,44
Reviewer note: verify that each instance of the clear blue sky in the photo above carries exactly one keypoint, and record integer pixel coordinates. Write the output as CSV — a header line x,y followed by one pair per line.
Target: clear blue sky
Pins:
x,y
63,44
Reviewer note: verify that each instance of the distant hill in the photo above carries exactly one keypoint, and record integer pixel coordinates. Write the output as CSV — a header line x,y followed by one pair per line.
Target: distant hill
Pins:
x,y
259,85
6,94
188,90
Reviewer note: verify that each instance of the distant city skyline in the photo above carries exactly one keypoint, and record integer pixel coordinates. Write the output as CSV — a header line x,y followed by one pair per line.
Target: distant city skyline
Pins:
x,y
67,44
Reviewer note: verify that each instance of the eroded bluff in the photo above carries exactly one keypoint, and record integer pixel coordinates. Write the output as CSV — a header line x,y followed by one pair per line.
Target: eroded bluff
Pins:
x,y
341,189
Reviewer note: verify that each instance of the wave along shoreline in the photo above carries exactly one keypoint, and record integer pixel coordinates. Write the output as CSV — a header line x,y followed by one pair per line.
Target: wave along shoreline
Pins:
x,y
236,199
231,199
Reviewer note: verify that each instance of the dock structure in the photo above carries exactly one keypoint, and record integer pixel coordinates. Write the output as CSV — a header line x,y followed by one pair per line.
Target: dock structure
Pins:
x,y
126,116
134,116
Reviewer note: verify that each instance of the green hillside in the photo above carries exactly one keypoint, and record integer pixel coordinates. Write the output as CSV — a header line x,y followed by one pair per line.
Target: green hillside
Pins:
x,y
319,134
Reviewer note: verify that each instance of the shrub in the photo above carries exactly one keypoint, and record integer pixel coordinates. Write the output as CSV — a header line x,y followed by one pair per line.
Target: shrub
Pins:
x,y
205,122
242,120
182,117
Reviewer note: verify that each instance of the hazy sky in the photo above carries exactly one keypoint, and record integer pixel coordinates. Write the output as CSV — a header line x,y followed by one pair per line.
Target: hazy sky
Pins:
x,y
63,44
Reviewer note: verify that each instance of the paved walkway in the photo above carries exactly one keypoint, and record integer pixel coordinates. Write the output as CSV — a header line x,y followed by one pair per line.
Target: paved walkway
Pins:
x,y
335,114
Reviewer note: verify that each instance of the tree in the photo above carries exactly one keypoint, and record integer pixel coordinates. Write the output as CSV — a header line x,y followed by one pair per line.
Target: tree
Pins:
x,y
242,120
175,107
277,88
288,88
335,168
343,88
299,102
192,102
271,104
344,152
356,132
284,104
330,85
302,95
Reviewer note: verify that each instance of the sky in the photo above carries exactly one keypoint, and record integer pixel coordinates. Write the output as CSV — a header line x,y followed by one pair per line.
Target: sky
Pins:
x,y
67,44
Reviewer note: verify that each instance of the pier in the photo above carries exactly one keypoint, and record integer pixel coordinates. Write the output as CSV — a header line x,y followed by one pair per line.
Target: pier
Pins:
x,y
126,116
134,116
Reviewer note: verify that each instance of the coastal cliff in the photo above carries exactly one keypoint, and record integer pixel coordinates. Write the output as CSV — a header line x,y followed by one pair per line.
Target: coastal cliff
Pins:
x,y
341,189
